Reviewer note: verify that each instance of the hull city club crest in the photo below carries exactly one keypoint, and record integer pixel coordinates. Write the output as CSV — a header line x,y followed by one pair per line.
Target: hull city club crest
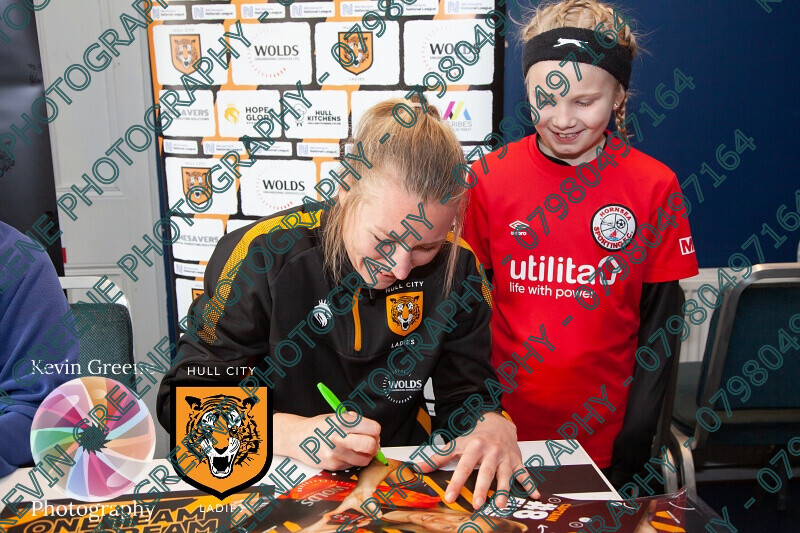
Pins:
x,y
355,55
185,50
612,226
404,312
194,184
227,433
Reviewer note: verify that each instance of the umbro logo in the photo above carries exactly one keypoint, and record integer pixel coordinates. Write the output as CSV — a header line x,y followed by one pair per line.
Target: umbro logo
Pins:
x,y
518,228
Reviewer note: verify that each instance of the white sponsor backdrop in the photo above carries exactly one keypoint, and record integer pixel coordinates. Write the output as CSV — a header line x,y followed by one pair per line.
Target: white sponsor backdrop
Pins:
x,y
294,43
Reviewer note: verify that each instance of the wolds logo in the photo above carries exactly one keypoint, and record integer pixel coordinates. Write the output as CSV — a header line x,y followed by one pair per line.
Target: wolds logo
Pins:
x,y
228,432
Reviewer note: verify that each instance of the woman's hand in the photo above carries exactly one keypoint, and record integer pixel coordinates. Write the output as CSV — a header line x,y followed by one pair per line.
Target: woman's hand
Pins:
x,y
493,446
368,480
357,448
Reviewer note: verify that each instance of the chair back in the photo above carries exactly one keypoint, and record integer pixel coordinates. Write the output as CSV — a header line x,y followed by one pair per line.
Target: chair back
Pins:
x,y
752,361
107,343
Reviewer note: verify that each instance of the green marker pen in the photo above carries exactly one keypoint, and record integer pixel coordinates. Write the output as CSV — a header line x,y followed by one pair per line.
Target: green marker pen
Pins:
x,y
334,402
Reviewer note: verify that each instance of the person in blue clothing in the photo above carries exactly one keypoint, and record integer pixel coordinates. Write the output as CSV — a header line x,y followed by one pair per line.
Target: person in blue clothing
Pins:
x,y
35,323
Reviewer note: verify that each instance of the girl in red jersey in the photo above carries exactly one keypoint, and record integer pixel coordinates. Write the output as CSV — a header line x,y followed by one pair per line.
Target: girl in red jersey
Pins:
x,y
560,219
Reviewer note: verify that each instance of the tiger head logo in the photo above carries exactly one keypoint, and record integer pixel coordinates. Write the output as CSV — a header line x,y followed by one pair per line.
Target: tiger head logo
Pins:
x,y
404,312
226,429
355,51
227,421
185,51
195,184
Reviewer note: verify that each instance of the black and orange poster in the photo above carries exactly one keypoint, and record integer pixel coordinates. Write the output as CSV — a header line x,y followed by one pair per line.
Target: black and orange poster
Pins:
x,y
336,502
359,501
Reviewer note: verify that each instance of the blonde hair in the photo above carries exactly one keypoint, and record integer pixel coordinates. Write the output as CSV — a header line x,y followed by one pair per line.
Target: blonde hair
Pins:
x,y
582,14
420,158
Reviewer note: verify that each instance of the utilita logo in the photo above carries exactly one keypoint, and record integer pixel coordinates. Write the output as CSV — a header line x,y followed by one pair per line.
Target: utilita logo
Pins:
x,y
561,270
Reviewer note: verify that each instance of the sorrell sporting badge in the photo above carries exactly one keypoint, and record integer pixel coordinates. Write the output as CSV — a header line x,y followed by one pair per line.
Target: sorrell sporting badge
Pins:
x,y
227,433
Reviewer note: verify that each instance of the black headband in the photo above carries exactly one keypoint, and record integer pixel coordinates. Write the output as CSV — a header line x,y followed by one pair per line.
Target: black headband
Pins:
x,y
555,45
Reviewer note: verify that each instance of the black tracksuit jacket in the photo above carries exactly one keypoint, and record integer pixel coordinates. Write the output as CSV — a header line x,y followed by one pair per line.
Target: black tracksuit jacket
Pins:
x,y
284,279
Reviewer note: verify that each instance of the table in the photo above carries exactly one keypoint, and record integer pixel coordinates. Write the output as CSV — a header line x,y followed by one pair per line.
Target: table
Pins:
x,y
183,509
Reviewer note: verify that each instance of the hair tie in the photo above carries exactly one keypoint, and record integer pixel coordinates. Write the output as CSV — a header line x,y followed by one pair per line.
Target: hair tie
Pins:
x,y
555,45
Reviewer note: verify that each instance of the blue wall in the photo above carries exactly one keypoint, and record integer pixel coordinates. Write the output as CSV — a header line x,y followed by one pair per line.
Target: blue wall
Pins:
x,y
744,64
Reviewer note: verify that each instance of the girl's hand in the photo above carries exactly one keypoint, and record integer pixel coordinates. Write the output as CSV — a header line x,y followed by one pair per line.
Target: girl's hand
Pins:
x,y
357,448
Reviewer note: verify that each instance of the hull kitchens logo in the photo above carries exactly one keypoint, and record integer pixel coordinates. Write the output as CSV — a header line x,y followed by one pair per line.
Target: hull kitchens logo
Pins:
x,y
323,117
301,114
227,431
612,226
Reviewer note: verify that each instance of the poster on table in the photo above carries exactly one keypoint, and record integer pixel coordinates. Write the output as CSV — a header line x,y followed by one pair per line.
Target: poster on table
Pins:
x,y
350,501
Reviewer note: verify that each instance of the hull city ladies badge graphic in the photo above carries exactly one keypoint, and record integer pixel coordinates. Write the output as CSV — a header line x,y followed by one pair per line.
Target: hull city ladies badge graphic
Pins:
x,y
194,184
612,226
228,435
355,56
185,50
404,312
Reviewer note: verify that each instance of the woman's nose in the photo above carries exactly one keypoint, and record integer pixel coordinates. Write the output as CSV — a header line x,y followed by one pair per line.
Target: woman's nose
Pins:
x,y
402,264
